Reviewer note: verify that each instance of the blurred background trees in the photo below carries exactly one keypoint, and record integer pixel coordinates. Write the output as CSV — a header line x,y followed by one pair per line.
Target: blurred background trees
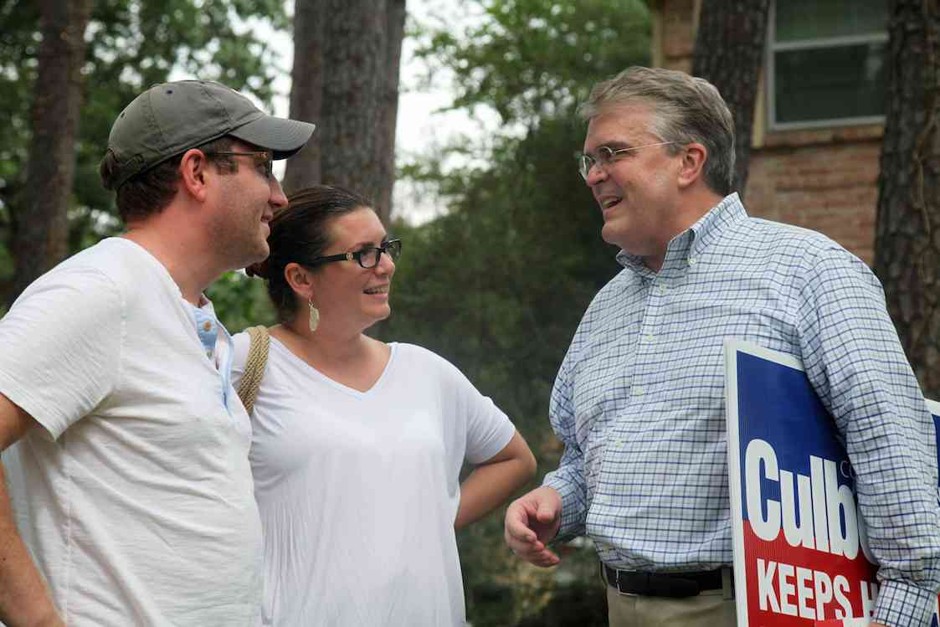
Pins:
x,y
129,45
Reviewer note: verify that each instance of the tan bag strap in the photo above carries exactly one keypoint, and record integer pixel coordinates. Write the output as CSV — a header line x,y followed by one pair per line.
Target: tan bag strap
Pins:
x,y
254,366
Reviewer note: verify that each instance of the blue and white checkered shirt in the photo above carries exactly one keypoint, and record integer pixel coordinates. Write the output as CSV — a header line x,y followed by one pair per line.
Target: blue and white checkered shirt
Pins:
x,y
639,401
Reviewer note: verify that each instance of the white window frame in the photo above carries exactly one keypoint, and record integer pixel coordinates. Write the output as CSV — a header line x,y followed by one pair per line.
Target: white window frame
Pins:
x,y
809,44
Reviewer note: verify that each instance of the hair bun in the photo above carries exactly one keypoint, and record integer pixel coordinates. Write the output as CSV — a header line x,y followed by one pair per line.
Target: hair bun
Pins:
x,y
259,269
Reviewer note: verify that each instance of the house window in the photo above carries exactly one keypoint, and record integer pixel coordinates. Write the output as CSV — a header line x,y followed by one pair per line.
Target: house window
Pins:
x,y
826,62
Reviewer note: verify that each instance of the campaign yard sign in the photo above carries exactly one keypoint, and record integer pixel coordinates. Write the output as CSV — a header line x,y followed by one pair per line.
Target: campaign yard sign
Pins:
x,y
801,555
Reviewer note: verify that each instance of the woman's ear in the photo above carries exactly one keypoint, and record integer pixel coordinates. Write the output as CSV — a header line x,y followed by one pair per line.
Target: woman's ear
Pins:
x,y
300,280
693,163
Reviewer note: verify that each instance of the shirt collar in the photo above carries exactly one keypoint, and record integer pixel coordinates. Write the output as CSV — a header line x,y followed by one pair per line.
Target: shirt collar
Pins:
x,y
692,242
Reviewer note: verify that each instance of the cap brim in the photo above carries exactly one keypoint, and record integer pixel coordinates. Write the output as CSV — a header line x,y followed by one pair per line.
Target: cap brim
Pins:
x,y
281,136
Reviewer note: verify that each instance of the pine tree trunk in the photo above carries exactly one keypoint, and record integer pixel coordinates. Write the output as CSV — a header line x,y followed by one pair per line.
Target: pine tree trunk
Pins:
x,y
385,146
40,238
907,237
353,73
347,55
729,51
306,96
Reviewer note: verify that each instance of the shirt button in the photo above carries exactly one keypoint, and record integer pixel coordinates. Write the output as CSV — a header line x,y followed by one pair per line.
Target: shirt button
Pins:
x,y
692,261
648,337
638,390
207,326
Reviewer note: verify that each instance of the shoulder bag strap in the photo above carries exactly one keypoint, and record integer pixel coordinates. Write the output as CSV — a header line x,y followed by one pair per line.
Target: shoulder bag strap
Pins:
x,y
254,366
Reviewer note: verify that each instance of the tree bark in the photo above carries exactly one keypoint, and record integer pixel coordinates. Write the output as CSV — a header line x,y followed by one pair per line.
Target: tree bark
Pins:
x,y
306,96
351,120
729,52
907,235
347,55
385,145
40,220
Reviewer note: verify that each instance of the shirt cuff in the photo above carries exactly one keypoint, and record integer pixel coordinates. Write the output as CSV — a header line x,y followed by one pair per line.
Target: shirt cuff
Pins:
x,y
903,604
572,507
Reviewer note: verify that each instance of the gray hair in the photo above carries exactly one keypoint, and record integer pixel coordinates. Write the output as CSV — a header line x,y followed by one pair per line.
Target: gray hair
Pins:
x,y
685,109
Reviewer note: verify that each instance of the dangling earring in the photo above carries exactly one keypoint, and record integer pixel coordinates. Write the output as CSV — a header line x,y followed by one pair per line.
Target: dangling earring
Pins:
x,y
314,316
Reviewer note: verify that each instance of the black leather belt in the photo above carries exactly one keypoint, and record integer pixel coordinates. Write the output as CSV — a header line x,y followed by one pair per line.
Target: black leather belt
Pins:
x,y
672,585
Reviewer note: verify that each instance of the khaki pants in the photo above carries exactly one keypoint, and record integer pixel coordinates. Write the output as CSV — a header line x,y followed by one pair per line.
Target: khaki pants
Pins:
x,y
712,608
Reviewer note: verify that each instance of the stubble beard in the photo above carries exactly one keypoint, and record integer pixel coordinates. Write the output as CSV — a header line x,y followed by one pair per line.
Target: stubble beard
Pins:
x,y
234,244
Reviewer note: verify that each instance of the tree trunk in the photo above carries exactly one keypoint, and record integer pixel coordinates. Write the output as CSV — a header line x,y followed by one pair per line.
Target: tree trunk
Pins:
x,y
907,236
729,51
353,73
346,60
306,95
40,238
385,140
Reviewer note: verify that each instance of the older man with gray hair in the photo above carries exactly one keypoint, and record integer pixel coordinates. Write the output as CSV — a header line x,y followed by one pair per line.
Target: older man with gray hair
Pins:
x,y
639,398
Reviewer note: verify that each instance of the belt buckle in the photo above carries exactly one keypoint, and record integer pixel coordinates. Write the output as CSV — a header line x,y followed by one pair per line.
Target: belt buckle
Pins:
x,y
616,582
619,583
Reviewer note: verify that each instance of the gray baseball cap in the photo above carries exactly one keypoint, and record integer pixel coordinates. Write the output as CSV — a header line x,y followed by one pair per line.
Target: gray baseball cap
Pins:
x,y
170,118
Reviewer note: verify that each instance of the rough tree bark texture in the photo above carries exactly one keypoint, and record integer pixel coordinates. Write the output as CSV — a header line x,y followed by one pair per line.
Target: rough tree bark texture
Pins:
x,y
353,72
303,169
40,238
346,63
907,236
385,141
729,51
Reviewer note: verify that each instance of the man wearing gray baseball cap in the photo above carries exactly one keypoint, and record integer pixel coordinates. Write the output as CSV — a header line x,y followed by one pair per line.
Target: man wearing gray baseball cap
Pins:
x,y
115,382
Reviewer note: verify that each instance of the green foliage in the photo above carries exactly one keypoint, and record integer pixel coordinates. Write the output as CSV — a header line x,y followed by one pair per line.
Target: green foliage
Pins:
x,y
499,284
132,44
241,302
535,58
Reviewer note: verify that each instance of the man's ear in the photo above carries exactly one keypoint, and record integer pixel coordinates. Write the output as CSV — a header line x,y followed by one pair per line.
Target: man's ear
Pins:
x,y
692,164
194,168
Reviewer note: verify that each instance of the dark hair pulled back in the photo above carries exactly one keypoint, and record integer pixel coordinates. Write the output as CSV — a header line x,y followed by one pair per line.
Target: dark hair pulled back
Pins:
x,y
299,233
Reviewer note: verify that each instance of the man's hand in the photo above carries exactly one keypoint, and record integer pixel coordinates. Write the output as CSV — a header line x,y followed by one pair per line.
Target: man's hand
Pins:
x,y
532,520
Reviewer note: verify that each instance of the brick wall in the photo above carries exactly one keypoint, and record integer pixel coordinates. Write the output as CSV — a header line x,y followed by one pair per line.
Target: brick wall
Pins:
x,y
827,188
821,179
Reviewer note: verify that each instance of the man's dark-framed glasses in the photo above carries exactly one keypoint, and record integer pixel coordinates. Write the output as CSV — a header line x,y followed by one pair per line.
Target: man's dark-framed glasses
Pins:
x,y
263,158
366,257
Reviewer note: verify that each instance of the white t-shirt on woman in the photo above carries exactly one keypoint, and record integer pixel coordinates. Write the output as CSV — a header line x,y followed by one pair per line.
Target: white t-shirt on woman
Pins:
x,y
358,490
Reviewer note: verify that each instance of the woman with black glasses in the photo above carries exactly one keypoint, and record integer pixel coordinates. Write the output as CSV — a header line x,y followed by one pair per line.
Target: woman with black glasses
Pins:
x,y
357,445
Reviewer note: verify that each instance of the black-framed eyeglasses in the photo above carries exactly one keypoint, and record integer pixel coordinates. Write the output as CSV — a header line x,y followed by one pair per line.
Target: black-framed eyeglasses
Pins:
x,y
264,159
607,155
366,257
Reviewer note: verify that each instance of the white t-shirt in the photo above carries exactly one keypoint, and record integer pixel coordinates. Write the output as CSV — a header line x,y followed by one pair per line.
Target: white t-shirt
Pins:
x,y
358,490
139,490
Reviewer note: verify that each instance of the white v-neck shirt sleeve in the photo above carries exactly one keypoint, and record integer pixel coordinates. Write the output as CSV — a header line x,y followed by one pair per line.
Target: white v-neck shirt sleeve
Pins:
x,y
358,490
